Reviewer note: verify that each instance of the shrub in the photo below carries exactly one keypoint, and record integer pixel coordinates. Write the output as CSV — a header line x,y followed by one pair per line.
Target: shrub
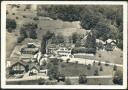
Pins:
x,y
82,79
68,60
106,63
96,72
60,77
101,68
41,81
115,68
94,62
99,63
17,17
20,39
7,12
35,18
89,66
24,16
13,13
109,47
118,78
10,24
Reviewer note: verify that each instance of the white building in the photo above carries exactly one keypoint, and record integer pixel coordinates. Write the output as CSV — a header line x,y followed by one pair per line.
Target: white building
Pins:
x,y
63,51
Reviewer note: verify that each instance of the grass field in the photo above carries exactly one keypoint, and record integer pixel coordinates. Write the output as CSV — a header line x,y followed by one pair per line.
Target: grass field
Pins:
x,y
111,56
10,43
72,69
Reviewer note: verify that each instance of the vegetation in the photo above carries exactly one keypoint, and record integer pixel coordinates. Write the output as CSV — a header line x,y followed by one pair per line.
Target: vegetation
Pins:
x,y
75,37
41,81
89,66
99,63
101,68
91,41
118,78
10,25
52,67
96,72
27,31
82,79
105,21
115,68
68,60
35,18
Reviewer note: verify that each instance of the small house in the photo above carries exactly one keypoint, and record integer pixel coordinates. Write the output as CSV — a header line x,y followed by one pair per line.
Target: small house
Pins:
x,y
30,48
18,67
63,51
27,57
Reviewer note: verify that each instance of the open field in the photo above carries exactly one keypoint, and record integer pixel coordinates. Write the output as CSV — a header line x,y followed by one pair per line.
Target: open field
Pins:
x,y
114,56
10,43
72,69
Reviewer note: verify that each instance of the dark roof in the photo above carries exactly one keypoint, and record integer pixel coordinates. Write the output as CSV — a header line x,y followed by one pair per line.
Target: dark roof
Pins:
x,y
20,62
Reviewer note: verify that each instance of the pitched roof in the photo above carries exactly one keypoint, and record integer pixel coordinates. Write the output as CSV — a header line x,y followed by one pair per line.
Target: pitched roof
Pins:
x,y
27,56
20,62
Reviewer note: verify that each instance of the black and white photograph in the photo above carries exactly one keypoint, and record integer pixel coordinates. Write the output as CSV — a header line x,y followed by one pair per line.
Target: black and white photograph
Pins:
x,y
69,44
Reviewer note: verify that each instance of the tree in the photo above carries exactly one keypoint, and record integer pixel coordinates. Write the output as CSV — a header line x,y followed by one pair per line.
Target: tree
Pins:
x,y
99,63
20,39
96,72
101,68
33,34
75,37
68,60
118,78
102,30
41,81
82,79
94,62
99,45
29,30
115,68
109,47
52,67
44,63
10,25
89,66
90,41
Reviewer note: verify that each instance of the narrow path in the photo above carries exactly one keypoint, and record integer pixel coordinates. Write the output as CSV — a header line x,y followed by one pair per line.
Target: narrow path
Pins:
x,y
76,77
88,61
46,77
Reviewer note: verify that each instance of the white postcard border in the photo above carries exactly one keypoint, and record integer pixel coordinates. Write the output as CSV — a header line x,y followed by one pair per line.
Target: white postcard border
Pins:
x,y
3,45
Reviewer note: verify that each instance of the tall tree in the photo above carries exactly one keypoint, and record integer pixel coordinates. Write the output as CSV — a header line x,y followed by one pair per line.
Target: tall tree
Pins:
x,y
10,25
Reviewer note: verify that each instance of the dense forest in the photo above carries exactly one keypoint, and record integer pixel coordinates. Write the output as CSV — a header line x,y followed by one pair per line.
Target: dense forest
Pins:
x,y
105,21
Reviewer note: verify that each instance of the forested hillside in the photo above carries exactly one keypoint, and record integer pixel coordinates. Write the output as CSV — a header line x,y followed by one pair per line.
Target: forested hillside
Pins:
x,y
105,21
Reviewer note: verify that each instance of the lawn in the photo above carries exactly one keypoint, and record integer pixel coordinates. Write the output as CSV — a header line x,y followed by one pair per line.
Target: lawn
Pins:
x,y
72,69
111,56
10,43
